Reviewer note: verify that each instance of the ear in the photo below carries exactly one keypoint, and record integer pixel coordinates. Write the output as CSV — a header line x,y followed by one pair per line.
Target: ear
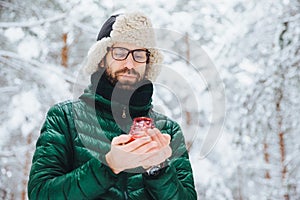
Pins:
x,y
101,64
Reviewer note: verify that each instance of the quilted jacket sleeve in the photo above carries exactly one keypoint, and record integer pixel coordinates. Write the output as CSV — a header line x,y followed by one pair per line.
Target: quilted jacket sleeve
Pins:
x,y
176,181
51,176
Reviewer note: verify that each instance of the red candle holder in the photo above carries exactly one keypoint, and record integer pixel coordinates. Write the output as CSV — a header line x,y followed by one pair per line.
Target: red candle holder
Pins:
x,y
140,126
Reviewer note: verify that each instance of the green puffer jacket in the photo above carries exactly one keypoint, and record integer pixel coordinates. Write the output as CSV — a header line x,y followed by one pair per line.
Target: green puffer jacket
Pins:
x,y
69,159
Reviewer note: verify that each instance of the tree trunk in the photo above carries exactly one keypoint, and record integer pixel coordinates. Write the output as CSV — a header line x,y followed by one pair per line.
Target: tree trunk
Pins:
x,y
283,43
267,160
64,51
281,135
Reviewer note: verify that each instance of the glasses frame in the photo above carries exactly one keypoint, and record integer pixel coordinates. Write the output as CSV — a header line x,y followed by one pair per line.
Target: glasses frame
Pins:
x,y
129,52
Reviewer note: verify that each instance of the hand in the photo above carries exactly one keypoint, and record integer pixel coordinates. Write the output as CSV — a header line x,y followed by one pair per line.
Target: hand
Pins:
x,y
124,155
163,150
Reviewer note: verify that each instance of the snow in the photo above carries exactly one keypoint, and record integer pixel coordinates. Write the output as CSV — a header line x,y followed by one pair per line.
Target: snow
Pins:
x,y
244,78
183,20
55,83
3,135
14,34
25,108
28,48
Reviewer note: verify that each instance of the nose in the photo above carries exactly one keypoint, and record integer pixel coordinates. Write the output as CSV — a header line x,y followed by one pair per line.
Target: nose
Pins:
x,y
129,62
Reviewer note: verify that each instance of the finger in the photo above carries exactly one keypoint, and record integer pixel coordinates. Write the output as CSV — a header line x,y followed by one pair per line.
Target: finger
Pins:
x,y
137,143
147,148
167,152
119,140
138,134
166,138
155,135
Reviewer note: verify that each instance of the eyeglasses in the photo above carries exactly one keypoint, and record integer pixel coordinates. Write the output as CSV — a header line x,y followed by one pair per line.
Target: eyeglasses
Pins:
x,y
120,53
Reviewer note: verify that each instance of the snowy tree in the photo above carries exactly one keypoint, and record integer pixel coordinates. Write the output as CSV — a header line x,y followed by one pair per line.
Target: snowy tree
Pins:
x,y
31,81
267,122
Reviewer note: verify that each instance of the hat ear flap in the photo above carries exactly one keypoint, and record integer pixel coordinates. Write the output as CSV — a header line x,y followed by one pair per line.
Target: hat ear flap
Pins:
x,y
96,53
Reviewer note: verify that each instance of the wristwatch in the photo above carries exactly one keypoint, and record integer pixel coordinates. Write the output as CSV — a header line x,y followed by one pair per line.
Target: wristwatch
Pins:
x,y
156,169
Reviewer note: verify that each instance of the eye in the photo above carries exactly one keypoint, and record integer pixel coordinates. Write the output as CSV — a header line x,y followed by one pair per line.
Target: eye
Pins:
x,y
140,54
120,52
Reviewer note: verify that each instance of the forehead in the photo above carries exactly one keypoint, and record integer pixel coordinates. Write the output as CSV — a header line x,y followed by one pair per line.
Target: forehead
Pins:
x,y
127,45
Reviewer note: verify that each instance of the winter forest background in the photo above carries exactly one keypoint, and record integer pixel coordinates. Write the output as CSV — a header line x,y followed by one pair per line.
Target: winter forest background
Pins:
x,y
253,45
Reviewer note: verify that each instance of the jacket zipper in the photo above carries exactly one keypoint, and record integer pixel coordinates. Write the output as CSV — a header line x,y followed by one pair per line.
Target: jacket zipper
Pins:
x,y
125,195
124,112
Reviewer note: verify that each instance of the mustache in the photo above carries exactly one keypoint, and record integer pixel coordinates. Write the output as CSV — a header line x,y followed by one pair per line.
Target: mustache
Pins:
x,y
126,70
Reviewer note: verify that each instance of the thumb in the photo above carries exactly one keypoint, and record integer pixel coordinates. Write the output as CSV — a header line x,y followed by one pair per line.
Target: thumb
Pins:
x,y
121,139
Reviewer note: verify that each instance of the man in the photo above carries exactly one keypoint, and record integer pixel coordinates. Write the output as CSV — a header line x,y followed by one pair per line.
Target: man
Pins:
x,y
84,150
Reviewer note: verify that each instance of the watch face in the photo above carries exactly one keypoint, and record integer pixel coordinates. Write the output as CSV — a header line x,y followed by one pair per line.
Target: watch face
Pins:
x,y
154,171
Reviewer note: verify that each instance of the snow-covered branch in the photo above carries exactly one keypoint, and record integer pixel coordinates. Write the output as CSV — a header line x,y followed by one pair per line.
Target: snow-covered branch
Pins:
x,y
33,23
8,89
7,154
38,66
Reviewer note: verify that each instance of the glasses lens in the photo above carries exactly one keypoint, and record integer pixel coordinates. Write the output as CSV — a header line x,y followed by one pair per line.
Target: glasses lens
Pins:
x,y
140,56
119,53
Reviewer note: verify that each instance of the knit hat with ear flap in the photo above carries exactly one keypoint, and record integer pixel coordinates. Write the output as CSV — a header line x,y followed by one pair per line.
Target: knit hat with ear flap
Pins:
x,y
134,28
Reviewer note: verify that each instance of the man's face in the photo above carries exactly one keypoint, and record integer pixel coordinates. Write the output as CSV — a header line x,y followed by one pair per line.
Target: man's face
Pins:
x,y
126,72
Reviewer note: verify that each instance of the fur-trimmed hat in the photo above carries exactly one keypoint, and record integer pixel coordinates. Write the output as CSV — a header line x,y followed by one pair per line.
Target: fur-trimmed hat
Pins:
x,y
134,28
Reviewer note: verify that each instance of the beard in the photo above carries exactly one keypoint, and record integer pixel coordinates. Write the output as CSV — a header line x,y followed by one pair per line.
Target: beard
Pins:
x,y
124,84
